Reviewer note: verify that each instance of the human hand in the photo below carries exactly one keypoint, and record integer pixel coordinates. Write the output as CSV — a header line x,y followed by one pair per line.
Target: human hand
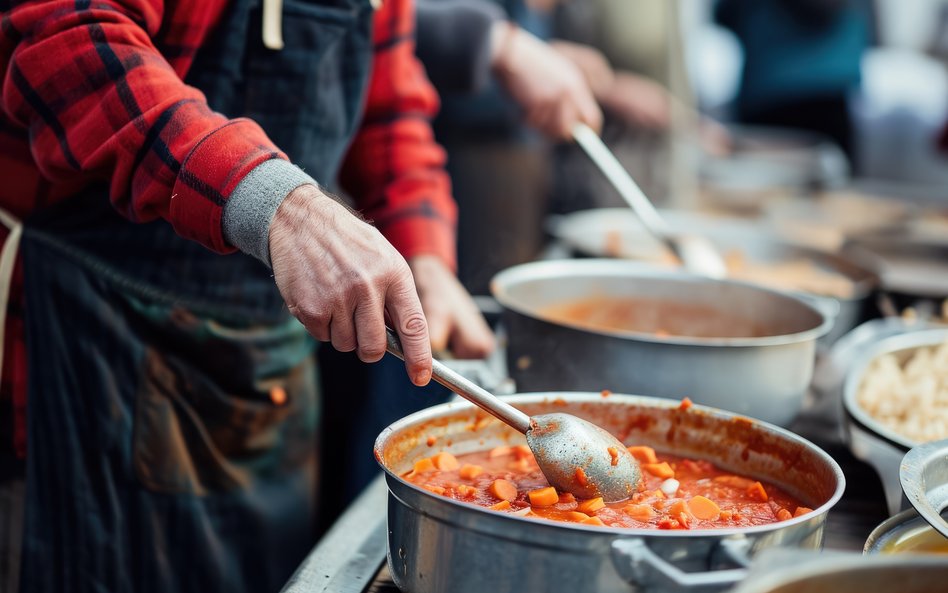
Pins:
x,y
591,63
551,90
638,101
454,321
339,277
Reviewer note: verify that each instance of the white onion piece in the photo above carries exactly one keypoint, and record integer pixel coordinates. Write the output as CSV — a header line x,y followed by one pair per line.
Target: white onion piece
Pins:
x,y
670,486
521,513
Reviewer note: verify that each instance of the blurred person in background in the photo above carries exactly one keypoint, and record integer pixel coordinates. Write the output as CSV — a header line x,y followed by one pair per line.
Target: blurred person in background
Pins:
x,y
801,62
158,410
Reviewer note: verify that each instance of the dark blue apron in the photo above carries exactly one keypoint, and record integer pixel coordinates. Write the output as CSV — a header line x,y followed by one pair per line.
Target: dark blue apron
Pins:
x,y
172,403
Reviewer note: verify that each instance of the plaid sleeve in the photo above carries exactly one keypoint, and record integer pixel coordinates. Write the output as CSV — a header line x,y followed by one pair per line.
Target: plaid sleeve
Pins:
x,y
100,102
394,168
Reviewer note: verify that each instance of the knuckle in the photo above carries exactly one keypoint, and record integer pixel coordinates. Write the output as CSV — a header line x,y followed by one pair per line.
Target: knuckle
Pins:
x,y
414,326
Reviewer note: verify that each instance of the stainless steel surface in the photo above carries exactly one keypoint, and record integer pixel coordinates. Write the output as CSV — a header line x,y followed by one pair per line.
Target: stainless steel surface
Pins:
x,y
762,377
562,442
787,572
438,544
905,532
869,440
467,389
696,254
559,442
924,476
613,232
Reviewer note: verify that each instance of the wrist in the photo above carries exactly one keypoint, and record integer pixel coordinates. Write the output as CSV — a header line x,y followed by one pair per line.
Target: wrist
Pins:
x,y
502,37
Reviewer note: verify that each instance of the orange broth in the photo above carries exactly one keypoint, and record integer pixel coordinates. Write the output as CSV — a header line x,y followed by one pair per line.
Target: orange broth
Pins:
x,y
705,496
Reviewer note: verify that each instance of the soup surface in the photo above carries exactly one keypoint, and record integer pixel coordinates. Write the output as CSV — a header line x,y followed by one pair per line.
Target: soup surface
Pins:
x,y
675,492
659,317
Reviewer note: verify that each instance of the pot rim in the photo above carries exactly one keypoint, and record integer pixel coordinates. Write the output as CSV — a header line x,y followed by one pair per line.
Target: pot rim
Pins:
x,y
543,270
453,408
911,340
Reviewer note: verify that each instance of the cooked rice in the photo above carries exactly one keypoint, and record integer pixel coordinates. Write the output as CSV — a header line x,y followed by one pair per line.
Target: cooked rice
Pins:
x,y
910,398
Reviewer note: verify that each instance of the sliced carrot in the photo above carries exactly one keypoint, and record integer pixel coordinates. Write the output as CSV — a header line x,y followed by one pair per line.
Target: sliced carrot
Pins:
x,y
498,452
678,508
659,494
802,511
591,505
424,465
500,506
445,461
659,470
503,489
543,497
581,477
593,521
469,472
639,512
756,490
614,453
435,489
431,441
783,515
703,508
644,454
577,516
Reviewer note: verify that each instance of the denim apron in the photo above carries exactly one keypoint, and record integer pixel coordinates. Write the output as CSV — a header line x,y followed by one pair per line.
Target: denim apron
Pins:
x,y
172,408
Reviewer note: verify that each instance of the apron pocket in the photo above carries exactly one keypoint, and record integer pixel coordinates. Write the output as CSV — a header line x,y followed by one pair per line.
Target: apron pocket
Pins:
x,y
202,428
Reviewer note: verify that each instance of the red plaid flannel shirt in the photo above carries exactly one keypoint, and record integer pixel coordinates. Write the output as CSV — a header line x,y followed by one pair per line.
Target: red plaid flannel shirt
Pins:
x,y
92,90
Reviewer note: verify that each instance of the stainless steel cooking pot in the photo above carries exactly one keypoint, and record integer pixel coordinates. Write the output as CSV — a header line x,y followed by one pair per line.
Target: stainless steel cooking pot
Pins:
x,y
437,544
763,377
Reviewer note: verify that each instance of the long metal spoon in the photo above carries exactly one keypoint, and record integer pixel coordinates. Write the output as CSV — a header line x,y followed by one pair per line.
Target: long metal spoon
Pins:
x,y
696,253
576,456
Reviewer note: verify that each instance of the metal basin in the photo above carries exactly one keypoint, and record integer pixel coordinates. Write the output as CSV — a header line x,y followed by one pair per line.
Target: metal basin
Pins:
x,y
868,439
437,544
762,373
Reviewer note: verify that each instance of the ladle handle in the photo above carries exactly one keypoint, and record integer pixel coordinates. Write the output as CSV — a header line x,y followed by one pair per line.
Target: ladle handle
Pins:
x,y
602,157
466,389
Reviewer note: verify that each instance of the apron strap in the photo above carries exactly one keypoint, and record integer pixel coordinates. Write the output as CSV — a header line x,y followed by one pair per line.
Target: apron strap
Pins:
x,y
8,256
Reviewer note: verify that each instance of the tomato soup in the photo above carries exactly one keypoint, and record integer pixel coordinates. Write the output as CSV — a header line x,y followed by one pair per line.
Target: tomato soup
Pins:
x,y
675,492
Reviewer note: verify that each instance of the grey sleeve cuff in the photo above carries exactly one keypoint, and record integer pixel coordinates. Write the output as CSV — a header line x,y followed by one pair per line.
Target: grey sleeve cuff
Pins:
x,y
254,202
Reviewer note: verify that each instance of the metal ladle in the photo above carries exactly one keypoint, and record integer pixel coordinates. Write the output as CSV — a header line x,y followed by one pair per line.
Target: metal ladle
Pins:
x,y
561,443
696,253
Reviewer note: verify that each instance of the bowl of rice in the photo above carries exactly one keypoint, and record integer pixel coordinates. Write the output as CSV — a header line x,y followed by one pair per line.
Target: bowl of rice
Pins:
x,y
894,398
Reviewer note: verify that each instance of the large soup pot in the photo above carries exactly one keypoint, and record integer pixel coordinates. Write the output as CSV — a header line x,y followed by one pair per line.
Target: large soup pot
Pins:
x,y
762,369
437,544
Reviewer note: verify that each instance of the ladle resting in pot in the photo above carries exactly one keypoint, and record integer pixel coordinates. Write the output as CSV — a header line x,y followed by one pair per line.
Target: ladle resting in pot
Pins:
x,y
561,443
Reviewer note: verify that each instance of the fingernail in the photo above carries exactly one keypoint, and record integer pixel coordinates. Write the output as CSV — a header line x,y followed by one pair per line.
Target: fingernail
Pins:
x,y
422,377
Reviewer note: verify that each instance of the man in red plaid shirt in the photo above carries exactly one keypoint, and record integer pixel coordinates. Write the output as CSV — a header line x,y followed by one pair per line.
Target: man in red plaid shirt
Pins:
x,y
154,394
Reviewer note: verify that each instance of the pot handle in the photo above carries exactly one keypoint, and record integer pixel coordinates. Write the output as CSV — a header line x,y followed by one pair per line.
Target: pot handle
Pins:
x,y
641,566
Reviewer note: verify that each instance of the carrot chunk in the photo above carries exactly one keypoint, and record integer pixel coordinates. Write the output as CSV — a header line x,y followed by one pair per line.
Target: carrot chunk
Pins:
x,y
498,452
639,512
500,506
577,516
802,511
591,505
543,497
644,454
435,489
659,470
503,489
469,472
521,452
593,521
783,515
424,465
466,491
704,508
756,490
445,461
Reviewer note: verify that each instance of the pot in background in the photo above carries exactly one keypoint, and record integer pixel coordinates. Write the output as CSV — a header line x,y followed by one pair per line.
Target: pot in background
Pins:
x,y
762,377
438,544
